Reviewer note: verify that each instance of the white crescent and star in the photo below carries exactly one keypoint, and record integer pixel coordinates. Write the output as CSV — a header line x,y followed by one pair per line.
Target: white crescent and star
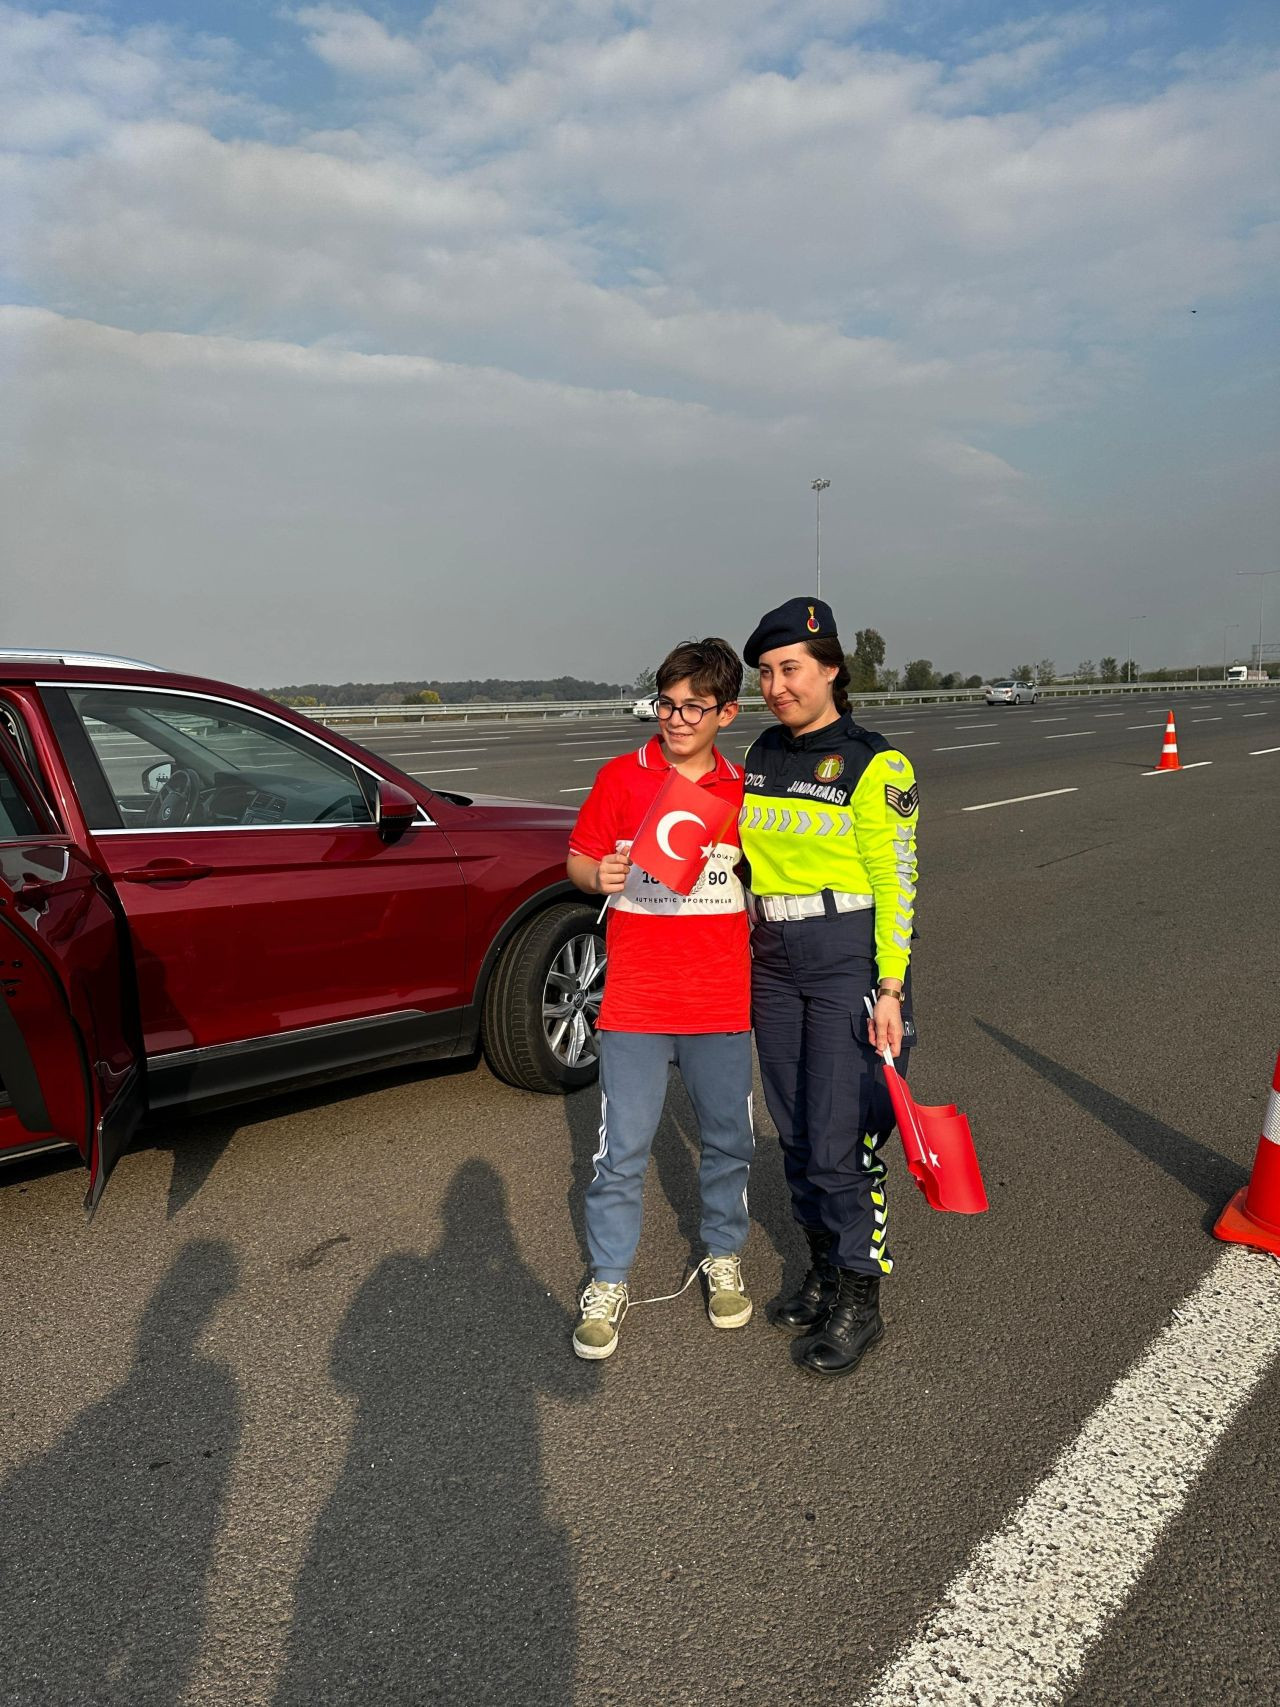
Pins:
x,y
668,822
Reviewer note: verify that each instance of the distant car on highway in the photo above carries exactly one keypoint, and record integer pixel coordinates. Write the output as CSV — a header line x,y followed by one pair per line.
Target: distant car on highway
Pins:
x,y
646,707
205,897
1012,693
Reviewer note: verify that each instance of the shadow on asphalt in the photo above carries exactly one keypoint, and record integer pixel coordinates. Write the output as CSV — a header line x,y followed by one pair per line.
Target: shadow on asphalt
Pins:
x,y
197,1141
108,1538
1202,1171
434,1573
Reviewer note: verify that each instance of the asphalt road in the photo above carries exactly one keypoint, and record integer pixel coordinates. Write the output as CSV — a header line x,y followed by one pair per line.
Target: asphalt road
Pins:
x,y
296,1420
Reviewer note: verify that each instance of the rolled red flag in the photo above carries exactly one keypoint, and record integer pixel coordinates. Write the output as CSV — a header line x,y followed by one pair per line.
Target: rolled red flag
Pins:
x,y
679,832
939,1148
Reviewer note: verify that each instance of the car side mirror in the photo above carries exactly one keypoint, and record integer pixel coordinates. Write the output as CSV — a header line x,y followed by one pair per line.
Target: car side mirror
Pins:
x,y
155,776
394,811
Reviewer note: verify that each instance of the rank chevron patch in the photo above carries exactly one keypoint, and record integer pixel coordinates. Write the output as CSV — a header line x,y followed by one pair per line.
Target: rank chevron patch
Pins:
x,y
904,802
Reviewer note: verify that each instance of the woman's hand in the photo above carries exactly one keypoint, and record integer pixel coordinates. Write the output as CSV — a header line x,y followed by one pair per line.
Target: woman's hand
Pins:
x,y
884,1028
612,876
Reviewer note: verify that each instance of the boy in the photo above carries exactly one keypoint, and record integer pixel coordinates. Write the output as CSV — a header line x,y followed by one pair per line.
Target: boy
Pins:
x,y
677,989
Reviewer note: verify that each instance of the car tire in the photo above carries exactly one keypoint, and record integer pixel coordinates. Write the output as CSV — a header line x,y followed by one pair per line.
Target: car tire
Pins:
x,y
550,960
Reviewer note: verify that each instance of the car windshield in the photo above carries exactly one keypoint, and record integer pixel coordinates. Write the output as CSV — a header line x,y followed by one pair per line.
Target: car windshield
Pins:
x,y
1002,684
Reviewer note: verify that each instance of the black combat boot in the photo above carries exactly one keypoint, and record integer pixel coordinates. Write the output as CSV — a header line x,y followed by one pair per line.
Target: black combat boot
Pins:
x,y
853,1324
807,1306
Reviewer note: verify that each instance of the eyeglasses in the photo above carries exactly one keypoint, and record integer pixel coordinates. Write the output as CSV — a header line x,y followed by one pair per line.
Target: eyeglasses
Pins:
x,y
690,714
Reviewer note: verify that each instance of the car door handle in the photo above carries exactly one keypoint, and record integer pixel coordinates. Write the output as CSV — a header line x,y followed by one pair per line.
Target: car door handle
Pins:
x,y
164,871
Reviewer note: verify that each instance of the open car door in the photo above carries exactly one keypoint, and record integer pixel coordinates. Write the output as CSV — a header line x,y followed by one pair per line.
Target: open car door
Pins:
x,y
70,1049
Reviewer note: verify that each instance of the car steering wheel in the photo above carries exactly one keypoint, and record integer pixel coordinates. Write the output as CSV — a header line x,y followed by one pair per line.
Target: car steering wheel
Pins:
x,y
175,802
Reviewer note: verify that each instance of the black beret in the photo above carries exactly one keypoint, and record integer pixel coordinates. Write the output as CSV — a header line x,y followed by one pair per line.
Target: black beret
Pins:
x,y
797,619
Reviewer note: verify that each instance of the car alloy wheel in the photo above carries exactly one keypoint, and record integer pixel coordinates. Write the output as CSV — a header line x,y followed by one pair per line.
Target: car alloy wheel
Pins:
x,y
571,1001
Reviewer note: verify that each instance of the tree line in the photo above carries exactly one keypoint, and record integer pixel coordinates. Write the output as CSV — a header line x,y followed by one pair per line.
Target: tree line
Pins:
x,y
492,690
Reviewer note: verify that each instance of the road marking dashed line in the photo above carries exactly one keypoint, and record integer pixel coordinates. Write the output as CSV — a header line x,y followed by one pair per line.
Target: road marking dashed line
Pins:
x,y
966,746
1017,799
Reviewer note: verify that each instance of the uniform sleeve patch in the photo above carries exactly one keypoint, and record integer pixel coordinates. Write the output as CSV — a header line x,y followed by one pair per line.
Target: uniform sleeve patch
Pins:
x,y
904,801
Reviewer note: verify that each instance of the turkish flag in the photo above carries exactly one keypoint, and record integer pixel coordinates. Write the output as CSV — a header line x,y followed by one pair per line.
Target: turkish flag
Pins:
x,y
679,832
939,1148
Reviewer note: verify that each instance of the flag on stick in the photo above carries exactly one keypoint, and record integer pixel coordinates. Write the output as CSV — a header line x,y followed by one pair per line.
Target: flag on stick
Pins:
x,y
679,832
938,1145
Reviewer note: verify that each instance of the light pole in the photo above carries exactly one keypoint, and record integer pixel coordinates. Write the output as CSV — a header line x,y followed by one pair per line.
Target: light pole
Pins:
x,y
1128,663
1227,628
1260,575
818,487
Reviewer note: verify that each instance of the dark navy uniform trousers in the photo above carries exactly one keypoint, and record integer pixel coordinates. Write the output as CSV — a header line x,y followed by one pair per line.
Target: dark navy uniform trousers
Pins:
x,y
820,1077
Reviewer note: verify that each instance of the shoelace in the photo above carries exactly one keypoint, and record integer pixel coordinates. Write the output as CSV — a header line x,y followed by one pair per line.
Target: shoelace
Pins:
x,y
598,1302
724,1274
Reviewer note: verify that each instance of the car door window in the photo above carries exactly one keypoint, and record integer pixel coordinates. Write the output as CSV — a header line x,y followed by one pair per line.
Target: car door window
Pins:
x,y
18,817
175,761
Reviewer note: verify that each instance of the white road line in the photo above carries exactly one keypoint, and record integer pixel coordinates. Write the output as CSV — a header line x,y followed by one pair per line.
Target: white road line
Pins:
x,y
430,752
454,770
1206,720
1199,765
1108,714
966,746
1253,714
1018,799
609,741
1070,734
1259,751
912,731
1145,726
586,789
1048,720
1015,1628
975,725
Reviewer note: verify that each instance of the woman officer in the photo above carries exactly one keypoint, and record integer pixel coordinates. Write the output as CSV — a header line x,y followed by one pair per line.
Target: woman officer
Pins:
x,y
829,830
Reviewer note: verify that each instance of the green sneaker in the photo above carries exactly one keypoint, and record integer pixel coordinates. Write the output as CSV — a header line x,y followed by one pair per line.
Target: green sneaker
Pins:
x,y
728,1305
603,1306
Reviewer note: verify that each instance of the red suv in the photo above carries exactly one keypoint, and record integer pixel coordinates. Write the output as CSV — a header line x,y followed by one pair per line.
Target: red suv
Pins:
x,y
204,897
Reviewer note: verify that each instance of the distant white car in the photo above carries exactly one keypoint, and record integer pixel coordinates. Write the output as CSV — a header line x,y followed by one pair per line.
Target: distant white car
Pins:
x,y
646,708
1012,693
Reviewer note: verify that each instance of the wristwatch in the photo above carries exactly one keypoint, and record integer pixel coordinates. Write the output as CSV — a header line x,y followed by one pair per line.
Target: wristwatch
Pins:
x,y
884,990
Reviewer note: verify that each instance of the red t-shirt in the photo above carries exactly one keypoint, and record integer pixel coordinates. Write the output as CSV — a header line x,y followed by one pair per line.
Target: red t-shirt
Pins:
x,y
677,963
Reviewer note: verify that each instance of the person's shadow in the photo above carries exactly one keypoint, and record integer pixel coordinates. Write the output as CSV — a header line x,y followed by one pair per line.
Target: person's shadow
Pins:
x,y
434,1574
106,1539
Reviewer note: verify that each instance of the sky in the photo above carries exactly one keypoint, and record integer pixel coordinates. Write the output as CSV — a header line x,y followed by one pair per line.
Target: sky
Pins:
x,y
505,337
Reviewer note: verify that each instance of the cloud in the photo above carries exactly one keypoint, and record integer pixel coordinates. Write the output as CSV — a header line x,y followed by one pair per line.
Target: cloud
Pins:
x,y
357,45
303,483
627,256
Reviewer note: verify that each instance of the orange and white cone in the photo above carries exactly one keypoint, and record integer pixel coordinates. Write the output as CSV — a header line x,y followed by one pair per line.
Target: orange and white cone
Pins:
x,y
1253,1215
1169,760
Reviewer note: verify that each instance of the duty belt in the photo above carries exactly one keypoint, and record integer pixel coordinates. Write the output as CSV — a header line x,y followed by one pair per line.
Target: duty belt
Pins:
x,y
780,908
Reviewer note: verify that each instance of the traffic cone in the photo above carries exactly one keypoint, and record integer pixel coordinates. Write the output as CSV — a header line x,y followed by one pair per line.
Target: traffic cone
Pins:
x,y
1169,753
1253,1215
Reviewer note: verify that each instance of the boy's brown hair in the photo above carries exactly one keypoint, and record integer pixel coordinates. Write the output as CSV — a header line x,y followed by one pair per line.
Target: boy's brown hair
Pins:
x,y
711,665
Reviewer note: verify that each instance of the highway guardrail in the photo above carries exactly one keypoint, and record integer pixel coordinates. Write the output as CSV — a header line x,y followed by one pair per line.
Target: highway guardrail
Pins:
x,y
337,716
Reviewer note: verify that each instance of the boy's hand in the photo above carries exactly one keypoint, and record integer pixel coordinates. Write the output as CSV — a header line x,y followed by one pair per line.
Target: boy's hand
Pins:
x,y
612,874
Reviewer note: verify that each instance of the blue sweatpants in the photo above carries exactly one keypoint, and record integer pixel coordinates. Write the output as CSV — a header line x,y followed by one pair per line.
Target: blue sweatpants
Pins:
x,y
716,1069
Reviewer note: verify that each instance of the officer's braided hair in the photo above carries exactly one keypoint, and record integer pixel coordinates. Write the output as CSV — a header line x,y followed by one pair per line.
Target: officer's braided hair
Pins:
x,y
827,650
711,666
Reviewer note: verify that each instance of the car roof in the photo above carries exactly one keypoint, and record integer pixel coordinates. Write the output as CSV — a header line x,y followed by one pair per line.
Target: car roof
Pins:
x,y
42,656
96,669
